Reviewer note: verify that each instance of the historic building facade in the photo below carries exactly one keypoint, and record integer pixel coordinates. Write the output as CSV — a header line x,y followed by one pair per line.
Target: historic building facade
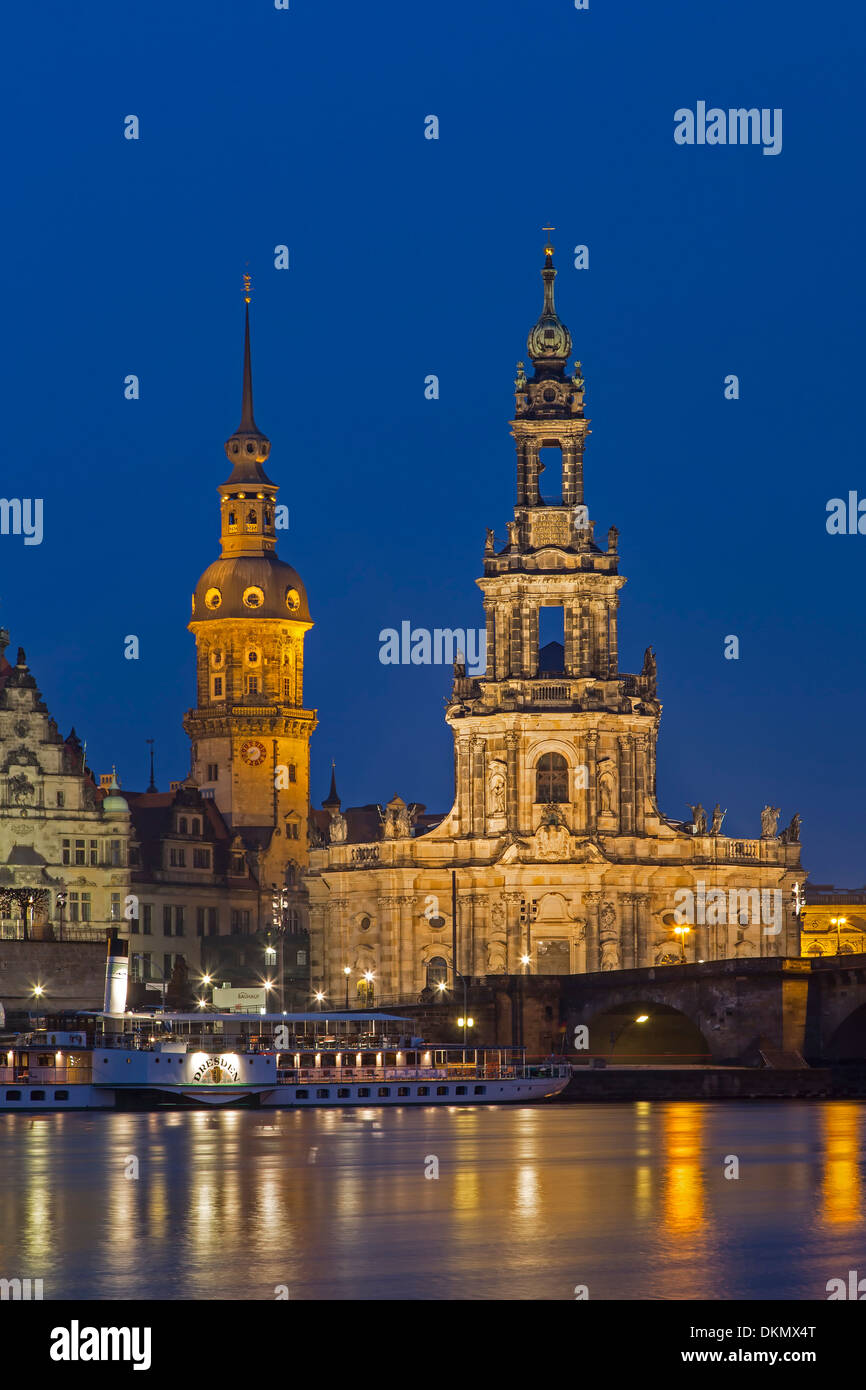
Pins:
x,y
64,842
556,850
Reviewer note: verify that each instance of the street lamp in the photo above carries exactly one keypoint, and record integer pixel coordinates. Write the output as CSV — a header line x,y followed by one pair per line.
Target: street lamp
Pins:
x,y
682,933
615,1037
38,991
838,923
319,998
347,970
369,977
465,1023
61,903
524,961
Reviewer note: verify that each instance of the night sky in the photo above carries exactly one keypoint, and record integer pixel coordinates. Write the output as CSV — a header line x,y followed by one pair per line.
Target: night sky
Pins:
x,y
409,257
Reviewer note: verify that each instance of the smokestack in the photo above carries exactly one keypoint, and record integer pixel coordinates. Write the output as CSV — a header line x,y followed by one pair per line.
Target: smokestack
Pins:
x,y
116,972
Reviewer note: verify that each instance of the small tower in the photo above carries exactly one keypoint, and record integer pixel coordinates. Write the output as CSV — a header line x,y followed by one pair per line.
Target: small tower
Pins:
x,y
249,730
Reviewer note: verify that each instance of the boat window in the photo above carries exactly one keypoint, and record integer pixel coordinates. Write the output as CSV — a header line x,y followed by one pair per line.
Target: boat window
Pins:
x,y
481,1090
461,1091
323,1093
384,1090
423,1090
402,1090
61,1095
342,1092
37,1095
13,1095
363,1090
441,1090
302,1095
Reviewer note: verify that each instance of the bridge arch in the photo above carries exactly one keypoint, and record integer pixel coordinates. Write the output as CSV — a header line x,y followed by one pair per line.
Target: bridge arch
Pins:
x,y
646,1031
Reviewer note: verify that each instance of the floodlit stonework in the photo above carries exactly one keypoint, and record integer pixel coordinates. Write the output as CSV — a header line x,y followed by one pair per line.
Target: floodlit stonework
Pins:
x,y
564,861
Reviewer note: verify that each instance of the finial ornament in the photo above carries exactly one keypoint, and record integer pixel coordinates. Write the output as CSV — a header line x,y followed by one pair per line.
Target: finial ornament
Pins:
x,y
248,287
548,249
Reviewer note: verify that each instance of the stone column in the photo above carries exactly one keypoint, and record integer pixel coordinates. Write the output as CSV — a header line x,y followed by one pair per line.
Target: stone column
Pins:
x,y
324,933
642,930
569,482
578,471
502,622
410,962
512,791
599,639
570,643
629,943
530,639
640,742
591,902
584,661
513,946
490,620
477,786
626,785
612,650
592,781
515,664
387,985
464,784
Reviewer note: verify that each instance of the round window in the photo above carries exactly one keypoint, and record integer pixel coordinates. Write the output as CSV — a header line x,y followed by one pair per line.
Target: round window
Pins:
x,y
253,597
213,598
364,924
293,600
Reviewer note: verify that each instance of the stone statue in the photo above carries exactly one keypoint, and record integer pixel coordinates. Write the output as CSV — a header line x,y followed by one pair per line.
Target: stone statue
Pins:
x,y
612,540
489,544
520,379
495,957
769,821
699,819
496,788
338,828
649,671
791,834
606,789
579,929
718,817
513,528
610,955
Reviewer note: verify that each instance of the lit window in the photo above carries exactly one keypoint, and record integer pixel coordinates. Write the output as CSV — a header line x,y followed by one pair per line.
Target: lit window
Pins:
x,y
551,778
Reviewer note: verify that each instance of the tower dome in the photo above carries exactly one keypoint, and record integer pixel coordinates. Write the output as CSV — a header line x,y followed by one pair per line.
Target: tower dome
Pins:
x,y
549,341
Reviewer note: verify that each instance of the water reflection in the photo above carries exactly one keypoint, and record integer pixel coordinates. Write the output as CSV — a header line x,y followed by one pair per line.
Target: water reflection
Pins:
x,y
631,1200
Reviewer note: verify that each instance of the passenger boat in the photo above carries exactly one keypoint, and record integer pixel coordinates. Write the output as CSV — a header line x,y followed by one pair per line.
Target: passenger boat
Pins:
x,y
271,1061
118,1059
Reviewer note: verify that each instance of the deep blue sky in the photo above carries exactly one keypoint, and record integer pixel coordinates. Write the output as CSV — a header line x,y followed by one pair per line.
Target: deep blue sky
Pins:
x,y
409,256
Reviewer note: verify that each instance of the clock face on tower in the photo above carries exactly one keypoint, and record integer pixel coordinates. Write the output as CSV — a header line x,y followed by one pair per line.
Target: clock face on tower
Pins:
x,y
253,753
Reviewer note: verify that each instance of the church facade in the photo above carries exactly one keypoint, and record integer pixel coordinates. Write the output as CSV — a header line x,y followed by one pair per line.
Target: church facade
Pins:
x,y
555,855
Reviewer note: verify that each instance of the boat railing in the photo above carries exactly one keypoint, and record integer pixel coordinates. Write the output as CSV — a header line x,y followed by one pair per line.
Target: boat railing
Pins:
x,y
44,1076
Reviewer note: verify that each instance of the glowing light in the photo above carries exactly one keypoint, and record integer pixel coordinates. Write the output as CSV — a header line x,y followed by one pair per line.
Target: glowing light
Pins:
x,y
38,991
207,979
641,1018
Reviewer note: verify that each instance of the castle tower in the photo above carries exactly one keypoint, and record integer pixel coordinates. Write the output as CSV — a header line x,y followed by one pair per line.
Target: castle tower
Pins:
x,y
552,732
250,731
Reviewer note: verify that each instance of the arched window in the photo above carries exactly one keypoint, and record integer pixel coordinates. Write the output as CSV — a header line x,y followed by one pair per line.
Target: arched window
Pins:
x,y
437,972
551,778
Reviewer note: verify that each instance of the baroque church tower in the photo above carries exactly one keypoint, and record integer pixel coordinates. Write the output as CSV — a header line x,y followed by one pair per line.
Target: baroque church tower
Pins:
x,y
250,731
597,728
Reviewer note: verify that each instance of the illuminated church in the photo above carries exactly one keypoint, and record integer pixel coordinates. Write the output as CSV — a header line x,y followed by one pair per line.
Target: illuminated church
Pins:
x,y
555,849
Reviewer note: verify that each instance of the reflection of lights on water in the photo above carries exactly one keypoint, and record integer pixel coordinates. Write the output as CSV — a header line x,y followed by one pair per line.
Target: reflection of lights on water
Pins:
x,y
841,1191
526,1200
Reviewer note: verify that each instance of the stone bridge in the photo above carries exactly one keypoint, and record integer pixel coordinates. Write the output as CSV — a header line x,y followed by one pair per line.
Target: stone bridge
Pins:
x,y
714,1012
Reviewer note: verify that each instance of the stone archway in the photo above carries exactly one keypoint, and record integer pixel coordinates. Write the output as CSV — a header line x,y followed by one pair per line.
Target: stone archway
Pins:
x,y
664,1036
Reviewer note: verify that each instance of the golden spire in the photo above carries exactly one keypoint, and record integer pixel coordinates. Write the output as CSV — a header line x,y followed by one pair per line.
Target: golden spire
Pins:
x,y
548,248
248,288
